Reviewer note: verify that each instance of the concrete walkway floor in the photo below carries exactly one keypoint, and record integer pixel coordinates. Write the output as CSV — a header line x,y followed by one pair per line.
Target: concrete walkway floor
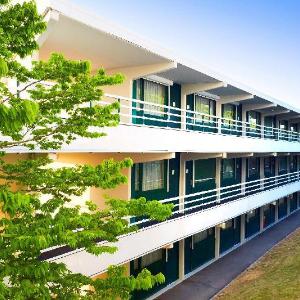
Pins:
x,y
209,281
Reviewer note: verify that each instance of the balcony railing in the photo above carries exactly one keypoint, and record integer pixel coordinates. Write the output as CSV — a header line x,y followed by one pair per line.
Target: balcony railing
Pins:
x,y
139,112
199,201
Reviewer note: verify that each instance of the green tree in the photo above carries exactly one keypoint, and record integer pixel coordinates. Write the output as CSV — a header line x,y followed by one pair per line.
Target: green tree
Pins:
x,y
33,120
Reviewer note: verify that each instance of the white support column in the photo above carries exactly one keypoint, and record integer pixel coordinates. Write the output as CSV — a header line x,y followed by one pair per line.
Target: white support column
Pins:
x,y
288,165
261,218
276,167
219,115
261,171
244,119
262,126
181,260
243,175
298,165
243,228
217,242
218,177
182,176
183,113
276,211
288,205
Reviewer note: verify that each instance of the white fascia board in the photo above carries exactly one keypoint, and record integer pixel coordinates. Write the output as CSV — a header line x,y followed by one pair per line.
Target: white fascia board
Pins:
x,y
159,79
136,139
75,12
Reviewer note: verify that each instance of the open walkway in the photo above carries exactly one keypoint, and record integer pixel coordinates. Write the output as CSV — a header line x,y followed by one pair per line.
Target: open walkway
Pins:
x,y
209,281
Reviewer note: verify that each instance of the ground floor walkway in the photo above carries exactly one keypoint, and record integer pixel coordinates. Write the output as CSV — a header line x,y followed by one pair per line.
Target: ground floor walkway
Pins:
x,y
209,281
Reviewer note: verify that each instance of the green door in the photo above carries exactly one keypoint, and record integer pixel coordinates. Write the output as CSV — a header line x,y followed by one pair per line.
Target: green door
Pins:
x,y
230,234
199,249
200,177
282,208
230,175
270,124
252,224
269,171
253,174
282,165
293,202
269,215
175,102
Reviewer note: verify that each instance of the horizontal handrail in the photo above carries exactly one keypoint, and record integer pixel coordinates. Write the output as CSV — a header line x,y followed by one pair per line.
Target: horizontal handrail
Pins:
x,y
184,118
218,196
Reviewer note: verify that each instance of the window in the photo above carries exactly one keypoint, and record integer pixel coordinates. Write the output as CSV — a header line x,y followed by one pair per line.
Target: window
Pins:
x,y
282,164
253,119
283,125
204,106
153,175
229,114
205,170
157,94
151,258
200,236
253,166
228,169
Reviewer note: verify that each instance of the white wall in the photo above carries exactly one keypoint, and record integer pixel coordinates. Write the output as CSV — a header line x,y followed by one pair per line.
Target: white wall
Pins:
x,y
132,138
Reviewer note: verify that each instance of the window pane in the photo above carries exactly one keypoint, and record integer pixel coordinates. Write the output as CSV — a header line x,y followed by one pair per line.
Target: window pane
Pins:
x,y
253,119
153,175
200,236
205,169
228,114
203,106
154,93
228,168
151,258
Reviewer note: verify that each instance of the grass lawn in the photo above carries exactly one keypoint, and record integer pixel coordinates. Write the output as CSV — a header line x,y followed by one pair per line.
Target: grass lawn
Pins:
x,y
275,276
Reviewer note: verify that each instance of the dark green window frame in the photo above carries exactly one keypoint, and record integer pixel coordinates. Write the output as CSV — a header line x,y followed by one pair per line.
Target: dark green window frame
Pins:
x,y
207,106
139,172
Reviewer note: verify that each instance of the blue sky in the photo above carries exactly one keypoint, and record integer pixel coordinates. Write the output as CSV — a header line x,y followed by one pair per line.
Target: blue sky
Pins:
x,y
256,42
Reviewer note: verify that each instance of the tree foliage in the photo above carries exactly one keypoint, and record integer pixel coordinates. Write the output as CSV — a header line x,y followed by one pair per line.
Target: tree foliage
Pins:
x,y
52,107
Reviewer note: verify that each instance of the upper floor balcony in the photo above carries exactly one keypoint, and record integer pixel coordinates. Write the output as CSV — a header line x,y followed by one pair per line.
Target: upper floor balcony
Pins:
x,y
148,126
168,104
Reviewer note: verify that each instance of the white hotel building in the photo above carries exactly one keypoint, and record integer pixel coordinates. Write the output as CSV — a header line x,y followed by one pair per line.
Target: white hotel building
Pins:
x,y
225,154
